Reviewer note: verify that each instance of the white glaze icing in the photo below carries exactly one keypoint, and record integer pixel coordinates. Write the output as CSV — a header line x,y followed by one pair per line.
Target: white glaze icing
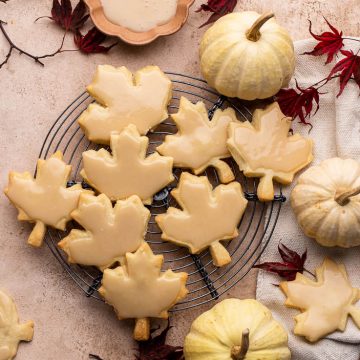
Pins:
x,y
139,15
264,149
109,232
207,215
45,200
199,142
127,172
138,289
325,304
124,99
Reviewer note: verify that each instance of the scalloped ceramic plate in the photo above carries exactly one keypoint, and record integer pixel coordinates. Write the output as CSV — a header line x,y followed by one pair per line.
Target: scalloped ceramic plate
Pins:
x,y
138,38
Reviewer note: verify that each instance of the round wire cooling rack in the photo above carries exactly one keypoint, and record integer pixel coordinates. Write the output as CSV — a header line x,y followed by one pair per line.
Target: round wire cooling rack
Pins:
x,y
205,282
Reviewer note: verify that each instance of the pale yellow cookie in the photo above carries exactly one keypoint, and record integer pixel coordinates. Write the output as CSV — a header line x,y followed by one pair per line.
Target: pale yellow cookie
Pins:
x,y
207,216
110,232
11,331
45,200
127,171
325,304
138,289
124,99
200,143
264,149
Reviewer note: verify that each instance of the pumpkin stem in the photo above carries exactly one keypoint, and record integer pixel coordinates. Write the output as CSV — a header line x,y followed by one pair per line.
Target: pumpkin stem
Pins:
x,y
344,198
253,34
239,352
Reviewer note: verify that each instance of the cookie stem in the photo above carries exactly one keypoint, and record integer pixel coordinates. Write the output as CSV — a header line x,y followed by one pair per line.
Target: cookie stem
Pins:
x,y
142,329
37,235
219,254
355,313
265,190
26,331
224,171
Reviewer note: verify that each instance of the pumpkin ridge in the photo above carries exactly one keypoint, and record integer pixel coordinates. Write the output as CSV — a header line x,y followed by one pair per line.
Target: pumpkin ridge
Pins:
x,y
223,67
308,178
291,64
263,330
320,228
279,62
241,73
356,209
217,42
325,169
356,176
306,200
304,217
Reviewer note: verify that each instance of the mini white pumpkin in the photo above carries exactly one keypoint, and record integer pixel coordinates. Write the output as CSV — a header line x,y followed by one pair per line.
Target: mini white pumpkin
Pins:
x,y
326,202
247,55
236,330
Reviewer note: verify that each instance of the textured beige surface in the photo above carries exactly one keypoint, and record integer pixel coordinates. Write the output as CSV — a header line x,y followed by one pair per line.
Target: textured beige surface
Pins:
x,y
67,324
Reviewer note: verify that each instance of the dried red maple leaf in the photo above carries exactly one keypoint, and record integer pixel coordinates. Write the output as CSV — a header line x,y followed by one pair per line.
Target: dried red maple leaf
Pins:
x,y
298,103
329,42
219,8
348,67
156,349
63,14
292,263
90,43
356,72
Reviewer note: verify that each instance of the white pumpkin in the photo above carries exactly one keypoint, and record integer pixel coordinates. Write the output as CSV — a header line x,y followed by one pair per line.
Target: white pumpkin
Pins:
x,y
246,55
326,202
236,330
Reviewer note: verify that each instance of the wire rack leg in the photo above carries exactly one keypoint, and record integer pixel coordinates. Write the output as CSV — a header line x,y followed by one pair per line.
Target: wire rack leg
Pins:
x,y
94,286
205,276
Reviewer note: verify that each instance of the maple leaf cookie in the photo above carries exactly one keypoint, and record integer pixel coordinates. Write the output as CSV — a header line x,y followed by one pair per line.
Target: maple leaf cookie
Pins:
x,y
207,216
45,200
325,304
123,99
11,331
109,232
127,171
264,149
200,143
139,290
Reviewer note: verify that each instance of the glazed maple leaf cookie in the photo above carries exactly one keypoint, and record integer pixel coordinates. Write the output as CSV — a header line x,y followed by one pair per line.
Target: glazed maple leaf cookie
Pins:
x,y
123,99
45,200
127,172
200,142
264,149
325,304
11,331
207,216
109,232
138,289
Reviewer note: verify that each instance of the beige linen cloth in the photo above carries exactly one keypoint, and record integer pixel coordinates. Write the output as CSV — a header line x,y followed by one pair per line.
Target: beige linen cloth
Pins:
x,y
336,132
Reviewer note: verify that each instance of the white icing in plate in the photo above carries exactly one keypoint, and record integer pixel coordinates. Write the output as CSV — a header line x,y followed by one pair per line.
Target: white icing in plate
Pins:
x,y
139,15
